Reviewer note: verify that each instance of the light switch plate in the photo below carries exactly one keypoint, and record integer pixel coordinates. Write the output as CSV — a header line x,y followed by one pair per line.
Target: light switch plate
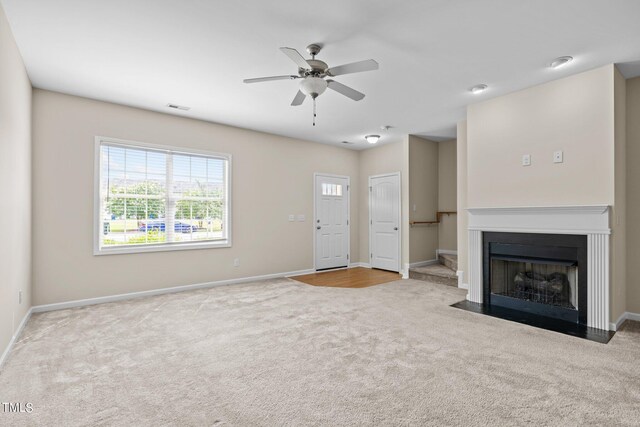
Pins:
x,y
526,160
301,218
292,217
557,157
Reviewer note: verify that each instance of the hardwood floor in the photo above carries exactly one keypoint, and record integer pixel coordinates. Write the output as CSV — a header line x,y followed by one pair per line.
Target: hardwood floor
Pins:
x,y
358,277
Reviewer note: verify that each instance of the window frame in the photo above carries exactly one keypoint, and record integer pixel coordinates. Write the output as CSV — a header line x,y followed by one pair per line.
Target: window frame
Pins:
x,y
157,247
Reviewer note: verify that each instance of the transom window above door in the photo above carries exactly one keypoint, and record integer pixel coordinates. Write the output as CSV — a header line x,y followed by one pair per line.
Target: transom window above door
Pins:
x,y
331,189
157,198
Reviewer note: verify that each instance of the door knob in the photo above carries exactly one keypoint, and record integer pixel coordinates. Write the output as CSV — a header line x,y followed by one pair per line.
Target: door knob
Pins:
x,y
318,228
395,228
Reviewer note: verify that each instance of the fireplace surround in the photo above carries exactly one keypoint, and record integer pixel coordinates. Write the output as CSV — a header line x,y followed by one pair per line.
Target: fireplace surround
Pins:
x,y
581,271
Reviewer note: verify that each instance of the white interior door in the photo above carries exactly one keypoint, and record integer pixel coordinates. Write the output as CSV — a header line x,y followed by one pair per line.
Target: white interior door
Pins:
x,y
384,224
331,221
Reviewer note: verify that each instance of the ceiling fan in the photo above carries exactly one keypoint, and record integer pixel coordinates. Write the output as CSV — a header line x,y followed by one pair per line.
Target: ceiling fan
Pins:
x,y
316,76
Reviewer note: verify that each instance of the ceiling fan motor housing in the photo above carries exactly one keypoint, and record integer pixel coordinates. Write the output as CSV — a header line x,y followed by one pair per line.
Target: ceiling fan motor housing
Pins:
x,y
317,68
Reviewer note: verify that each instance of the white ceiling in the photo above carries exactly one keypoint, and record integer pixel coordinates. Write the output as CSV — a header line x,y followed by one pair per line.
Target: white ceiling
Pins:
x,y
197,52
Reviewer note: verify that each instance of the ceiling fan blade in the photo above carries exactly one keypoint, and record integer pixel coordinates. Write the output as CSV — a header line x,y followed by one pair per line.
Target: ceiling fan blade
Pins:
x,y
299,98
354,67
345,90
268,79
295,56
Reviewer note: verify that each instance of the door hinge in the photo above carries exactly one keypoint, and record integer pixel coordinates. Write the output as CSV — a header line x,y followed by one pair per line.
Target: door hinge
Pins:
x,y
371,255
347,256
371,222
347,222
347,188
370,188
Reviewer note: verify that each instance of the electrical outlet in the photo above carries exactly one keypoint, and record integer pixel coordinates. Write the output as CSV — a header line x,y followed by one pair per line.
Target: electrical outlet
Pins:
x,y
292,217
526,160
19,297
557,157
415,208
236,262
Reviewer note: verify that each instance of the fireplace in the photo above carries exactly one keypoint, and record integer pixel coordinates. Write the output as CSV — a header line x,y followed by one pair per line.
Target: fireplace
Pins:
x,y
546,266
540,274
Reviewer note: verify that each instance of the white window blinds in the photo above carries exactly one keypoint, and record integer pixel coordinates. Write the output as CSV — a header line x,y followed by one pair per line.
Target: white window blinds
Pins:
x,y
152,197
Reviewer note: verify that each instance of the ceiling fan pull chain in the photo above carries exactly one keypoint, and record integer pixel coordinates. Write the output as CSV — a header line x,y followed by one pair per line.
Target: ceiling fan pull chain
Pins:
x,y
314,111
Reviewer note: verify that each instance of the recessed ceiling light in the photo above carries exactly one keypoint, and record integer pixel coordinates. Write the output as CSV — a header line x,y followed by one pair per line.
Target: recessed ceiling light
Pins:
x,y
372,139
560,61
178,107
478,89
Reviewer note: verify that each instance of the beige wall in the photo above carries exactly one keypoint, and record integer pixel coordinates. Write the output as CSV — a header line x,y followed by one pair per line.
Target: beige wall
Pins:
x,y
423,198
633,193
447,195
573,114
375,161
272,177
461,169
15,191
618,226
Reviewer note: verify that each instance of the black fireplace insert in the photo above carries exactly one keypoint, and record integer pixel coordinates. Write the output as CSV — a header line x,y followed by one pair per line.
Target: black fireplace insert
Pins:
x,y
540,274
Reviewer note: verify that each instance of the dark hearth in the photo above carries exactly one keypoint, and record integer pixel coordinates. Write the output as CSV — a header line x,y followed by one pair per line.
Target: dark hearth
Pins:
x,y
569,328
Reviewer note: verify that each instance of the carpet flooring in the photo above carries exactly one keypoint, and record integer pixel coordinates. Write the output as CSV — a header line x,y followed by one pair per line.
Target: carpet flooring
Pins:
x,y
281,352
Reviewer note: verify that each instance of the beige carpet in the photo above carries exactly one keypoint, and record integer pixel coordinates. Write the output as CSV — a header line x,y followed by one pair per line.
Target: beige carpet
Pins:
x,y
285,353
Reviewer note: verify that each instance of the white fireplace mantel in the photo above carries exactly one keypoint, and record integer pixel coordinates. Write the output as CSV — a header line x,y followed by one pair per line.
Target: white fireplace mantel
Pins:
x,y
542,219
592,221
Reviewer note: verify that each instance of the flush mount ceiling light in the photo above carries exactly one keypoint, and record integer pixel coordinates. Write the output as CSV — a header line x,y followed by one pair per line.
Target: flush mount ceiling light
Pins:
x,y
478,89
372,139
560,61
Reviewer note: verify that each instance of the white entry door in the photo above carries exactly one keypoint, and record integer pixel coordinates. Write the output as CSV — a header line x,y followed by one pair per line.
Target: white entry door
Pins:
x,y
384,223
331,221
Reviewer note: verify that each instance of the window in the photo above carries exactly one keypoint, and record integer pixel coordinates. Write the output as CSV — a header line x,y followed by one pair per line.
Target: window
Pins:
x,y
331,189
154,198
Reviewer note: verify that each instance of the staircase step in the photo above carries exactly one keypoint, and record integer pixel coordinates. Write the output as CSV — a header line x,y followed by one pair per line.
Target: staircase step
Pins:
x,y
449,260
435,273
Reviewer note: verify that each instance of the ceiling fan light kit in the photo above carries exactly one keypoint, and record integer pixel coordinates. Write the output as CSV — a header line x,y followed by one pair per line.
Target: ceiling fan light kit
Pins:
x,y
314,73
313,86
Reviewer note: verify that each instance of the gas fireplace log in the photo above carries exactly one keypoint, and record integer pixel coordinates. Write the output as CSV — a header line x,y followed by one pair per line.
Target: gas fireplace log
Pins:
x,y
552,288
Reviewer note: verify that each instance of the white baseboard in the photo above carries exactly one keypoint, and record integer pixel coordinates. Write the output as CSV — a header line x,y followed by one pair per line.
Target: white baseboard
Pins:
x,y
461,284
423,263
446,252
132,295
360,264
633,316
15,337
405,271
614,326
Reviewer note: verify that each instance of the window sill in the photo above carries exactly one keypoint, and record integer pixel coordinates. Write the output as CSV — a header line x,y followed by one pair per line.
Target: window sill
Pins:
x,y
137,249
